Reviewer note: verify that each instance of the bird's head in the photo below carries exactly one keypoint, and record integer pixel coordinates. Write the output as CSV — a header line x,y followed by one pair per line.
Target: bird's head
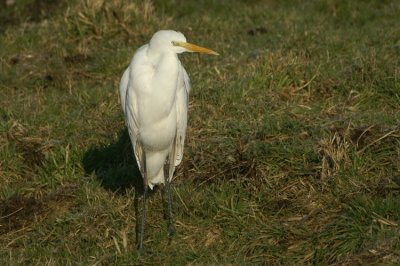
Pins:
x,y
169,40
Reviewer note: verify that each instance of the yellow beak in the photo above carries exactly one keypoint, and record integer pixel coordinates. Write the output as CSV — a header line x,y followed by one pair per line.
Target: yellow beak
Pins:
x,y
194,48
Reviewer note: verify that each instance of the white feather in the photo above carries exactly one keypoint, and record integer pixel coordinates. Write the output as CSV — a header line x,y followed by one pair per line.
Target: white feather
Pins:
x,y
154,92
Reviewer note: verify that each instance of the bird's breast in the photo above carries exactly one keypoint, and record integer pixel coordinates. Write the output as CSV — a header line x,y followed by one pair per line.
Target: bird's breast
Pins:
x,y
158,132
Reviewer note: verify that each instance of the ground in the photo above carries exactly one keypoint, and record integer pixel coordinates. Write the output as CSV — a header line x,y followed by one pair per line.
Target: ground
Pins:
x,y
293,142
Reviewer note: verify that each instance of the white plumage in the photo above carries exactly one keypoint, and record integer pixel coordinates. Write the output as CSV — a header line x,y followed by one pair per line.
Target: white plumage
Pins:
x,y
154,93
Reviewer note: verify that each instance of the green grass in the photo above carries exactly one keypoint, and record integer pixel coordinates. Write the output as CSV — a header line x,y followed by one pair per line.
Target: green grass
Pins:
x,y
293,142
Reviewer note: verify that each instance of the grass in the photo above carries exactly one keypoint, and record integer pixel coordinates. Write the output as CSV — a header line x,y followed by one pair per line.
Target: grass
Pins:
x,y
293,142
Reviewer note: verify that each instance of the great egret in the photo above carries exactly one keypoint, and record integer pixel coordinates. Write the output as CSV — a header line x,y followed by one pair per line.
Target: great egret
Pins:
x,y
154,93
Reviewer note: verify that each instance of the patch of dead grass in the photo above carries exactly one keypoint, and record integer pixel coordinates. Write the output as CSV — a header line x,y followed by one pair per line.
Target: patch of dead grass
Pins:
x,y
20,212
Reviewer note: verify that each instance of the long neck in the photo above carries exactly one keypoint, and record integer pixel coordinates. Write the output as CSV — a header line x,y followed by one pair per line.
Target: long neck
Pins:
x,y
164,81
161,87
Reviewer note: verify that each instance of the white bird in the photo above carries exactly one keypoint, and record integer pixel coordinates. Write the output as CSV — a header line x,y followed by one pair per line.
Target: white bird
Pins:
x,y
154,92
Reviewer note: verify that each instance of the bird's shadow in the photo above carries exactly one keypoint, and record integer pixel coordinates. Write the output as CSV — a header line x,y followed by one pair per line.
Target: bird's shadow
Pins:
x,y
114,165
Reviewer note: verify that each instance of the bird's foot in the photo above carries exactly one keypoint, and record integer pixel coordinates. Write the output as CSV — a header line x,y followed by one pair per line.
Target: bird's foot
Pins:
x,y
140,250
171,230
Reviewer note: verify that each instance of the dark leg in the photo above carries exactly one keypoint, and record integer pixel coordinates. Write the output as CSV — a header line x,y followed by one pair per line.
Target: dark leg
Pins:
x,y
136,201
143,220
146,188
171,225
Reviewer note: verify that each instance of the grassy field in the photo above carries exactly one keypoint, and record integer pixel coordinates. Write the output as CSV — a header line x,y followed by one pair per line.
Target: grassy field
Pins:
x,y
293,142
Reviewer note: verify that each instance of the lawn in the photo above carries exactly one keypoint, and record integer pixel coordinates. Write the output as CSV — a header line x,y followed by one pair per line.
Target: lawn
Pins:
x,y
293,144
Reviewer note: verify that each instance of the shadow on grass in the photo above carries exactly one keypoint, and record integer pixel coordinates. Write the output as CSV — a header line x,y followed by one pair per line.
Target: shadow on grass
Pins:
x,y
115,165
116,168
